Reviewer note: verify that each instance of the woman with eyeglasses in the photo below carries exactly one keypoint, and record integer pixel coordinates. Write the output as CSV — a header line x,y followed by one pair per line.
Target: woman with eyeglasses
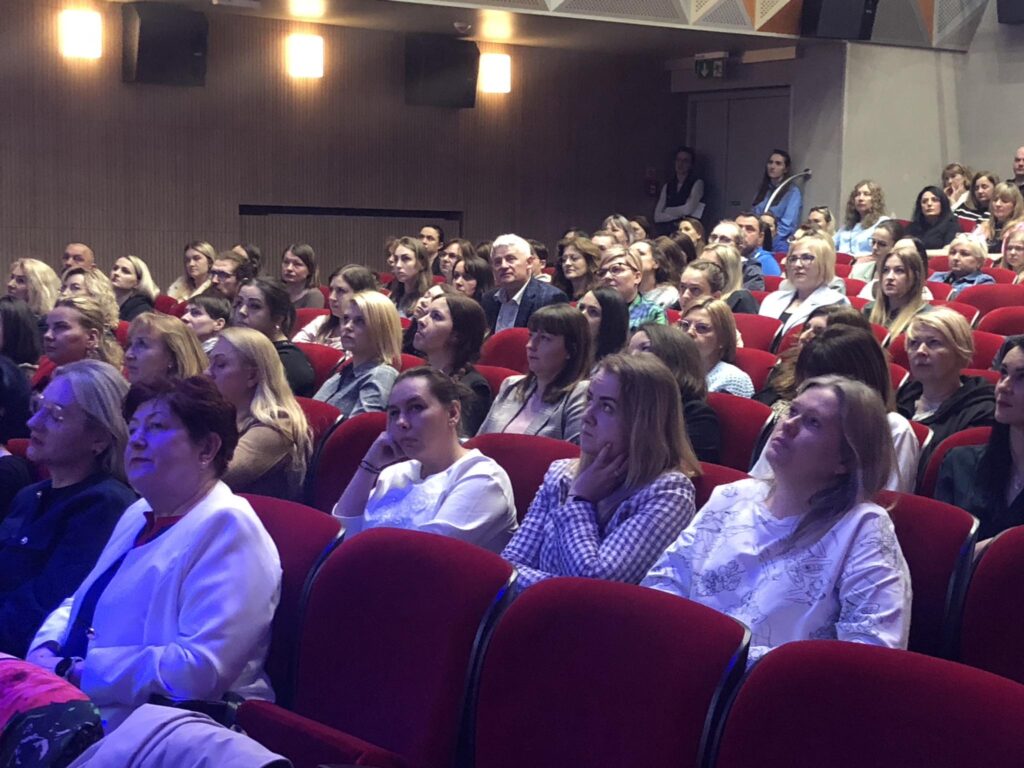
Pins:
x,y
56,529
710,324
867,265
622,270
810,267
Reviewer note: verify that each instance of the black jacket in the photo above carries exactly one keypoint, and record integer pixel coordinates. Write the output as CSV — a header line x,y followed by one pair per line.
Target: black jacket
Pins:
x,y
702,429
477,403
49,542
536,295
938,236
958,485
297,369
973,405
133,306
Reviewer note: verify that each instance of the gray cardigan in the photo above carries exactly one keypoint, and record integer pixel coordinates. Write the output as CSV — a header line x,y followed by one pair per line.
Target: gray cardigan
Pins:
x,y
560,420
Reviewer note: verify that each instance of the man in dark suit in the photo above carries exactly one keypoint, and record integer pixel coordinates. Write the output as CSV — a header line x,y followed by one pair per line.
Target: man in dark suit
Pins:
x,y
518,294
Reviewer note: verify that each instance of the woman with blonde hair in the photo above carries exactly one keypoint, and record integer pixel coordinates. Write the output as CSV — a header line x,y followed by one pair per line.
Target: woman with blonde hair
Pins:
x,y
76,329
161,346
709,322
611,513
372,334
899,290
79,281
1013,250
728,258
35,283
810,267
820,216
1007,208
756,542
864,209
967,256
134,289
274,443
198,259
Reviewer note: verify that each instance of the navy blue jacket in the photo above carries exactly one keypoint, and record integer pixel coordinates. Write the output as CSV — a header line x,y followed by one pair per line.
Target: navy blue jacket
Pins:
x,y
536,295
49,542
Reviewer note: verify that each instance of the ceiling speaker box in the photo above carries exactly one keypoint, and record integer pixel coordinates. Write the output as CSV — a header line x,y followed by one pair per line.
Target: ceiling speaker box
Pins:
x,y
163,44
838,19
441,71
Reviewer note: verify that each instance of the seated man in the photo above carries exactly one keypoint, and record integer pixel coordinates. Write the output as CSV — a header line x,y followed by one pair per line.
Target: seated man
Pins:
x,y
750,246
518,294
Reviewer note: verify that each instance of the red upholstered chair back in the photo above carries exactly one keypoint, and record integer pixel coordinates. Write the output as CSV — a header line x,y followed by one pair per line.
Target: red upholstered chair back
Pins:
x,y
898,375
969,311
306,315
339,457
989,297
937,540
495,374
410,361
321,417
843,270
388,636
506,348
325,291
848,705
923,434
741,422
713,476
1001,275
304,537
756,363
857,302
385,278
165,304
673,316
789,338
986,373
939,290
967,225
844,258
121,333
1003,320
938,263
898,351
759,296
853,286
758,331
18,446
324,360
582,672
971,436
992,633
526,459
772,282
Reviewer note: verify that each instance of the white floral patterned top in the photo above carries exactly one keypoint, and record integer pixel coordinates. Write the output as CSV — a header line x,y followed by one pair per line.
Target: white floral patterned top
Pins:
x,y
850,583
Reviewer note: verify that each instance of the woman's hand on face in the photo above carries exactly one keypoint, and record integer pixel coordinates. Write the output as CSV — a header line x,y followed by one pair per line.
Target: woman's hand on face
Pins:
x,y
602,476
384,452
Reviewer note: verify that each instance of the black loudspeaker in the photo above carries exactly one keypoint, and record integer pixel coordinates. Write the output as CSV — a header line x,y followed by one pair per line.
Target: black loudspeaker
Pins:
x,y
1011,11
440,71
164,44
840,19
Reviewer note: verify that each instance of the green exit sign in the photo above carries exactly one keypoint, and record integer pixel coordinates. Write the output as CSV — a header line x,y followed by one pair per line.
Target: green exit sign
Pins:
x,y
709,68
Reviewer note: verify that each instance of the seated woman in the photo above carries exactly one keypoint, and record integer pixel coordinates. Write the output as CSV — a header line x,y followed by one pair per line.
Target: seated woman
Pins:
x,y
274,444
966,258
417,475
709,322
161,346
576,269
76,329
1013,251
821,217
549,400
301,277
693,229
988,480
728,259
453,251
976,208
1007,208
659,277
55,529
933,222
620,269
810,267
207,315
939,346
198,260
843,350
618,227
956,179
701,279
680,355
20,341
899,298
15,472
412,275
642,228
914,244
450,334
864,210
344,282
372,335
677,250
78,281
134,289
264,305
472,277
808,556
35,283
611,513
866,266
180,601
608,319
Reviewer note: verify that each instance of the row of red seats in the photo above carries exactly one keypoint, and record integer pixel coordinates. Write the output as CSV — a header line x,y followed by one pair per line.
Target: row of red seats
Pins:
x,y
406,649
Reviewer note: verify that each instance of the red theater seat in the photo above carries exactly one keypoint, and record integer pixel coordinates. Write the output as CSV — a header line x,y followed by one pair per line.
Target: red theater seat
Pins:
x,y
324,360
339,457
165,304
741,423
713,476
758,331
989,297
321,417
971,436
756,363
507,349
495,375
1006,321
307,315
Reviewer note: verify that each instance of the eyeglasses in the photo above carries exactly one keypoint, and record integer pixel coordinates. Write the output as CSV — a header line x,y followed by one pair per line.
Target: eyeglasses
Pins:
x,y
220,274
702,329
615,269
54,412
804,258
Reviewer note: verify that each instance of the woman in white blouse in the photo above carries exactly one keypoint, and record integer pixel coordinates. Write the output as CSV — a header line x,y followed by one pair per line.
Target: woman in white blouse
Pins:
x,y
418,476
711,325
807,556
810,267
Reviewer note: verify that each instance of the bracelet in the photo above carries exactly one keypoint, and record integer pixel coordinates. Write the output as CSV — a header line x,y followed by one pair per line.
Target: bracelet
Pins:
x,y
368,467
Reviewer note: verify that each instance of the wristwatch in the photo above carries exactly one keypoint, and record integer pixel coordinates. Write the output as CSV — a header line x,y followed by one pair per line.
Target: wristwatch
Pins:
x,y
65,665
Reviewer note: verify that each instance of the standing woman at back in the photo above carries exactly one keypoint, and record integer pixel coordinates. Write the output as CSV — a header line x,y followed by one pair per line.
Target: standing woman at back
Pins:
x,y
786,208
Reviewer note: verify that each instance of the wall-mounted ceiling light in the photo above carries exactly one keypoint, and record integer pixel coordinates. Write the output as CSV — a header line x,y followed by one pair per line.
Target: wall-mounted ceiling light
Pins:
x,y
308,9
496,25
304,56
80,34
495,73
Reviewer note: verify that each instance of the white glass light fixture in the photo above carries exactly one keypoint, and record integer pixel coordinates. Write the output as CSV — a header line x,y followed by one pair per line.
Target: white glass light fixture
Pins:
x,y
495,73
80,34
304,56
308,9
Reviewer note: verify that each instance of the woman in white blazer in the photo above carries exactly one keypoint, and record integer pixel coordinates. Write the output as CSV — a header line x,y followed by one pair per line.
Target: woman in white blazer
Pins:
x,y
181,599
810,267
